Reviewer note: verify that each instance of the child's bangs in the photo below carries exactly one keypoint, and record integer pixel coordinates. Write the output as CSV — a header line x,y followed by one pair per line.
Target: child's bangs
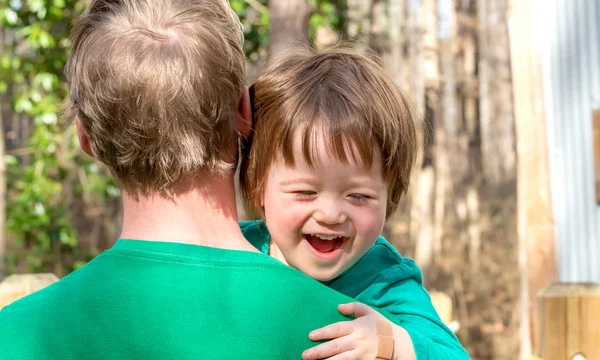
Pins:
x,y
346,135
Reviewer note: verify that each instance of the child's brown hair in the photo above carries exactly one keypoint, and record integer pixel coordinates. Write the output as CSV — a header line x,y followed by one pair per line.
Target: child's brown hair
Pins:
x,y
343,93
155,85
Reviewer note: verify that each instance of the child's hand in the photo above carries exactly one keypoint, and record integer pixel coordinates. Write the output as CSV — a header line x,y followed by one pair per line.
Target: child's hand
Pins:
x,y
357,339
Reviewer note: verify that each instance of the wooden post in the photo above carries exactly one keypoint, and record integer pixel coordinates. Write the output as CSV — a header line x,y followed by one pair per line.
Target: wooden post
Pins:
x,y
443,306
15,287
537,262
570,318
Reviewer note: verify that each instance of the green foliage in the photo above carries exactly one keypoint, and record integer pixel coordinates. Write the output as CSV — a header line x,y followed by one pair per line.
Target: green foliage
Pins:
x,y
256,26
255,17
47,174
44,176
326,14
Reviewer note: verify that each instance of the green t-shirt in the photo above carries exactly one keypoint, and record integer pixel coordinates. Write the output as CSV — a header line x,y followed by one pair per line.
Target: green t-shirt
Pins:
x,y
158,300
387,281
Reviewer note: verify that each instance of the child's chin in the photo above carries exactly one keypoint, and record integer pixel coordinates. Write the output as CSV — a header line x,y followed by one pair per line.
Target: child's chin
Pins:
x,y
324,276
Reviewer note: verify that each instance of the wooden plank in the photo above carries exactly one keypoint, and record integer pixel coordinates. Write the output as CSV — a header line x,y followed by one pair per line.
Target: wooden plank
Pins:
x,y
17,286
443,306
570,314
596,125
537,262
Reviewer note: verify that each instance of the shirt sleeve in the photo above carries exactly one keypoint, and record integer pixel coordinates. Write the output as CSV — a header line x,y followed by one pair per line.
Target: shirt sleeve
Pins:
x,y
410,307
257,234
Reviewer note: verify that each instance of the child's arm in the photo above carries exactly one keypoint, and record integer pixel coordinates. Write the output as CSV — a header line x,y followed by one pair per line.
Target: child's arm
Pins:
x,y
406,303
392,284
369,336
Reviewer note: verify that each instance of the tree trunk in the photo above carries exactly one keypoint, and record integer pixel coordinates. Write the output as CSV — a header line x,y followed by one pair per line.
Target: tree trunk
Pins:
x,y
496,111
467,38
416,14
421,225
446,127
2,195
442,177
534,207
375,24
2,176
473,229
395,58
428,93
357,18
288,25
430,48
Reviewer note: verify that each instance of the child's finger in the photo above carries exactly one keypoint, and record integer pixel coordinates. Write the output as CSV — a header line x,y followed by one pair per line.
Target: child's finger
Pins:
x,y
355,309
332,331
330,348
348,355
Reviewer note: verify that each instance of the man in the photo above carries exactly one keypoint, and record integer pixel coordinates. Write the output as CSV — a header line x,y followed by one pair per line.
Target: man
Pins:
x,y
158,95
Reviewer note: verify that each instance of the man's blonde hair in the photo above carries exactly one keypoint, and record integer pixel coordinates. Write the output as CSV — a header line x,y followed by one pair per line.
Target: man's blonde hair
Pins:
x,y
340,92
156,85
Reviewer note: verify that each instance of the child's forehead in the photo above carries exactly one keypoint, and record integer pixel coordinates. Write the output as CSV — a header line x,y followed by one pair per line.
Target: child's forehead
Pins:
x,y
320,139
318,147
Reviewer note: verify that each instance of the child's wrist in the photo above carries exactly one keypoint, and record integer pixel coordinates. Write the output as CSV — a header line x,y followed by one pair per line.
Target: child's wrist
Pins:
x,y
403,346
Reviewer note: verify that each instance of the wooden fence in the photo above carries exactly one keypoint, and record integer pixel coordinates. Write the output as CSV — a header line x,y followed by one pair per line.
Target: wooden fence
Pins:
x,y
570,321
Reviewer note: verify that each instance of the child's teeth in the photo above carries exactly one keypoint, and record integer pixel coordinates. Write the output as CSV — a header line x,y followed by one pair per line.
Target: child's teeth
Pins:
x,y
325,237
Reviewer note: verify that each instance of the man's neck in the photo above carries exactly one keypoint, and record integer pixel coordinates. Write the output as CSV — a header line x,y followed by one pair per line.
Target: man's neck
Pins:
x,y
205,215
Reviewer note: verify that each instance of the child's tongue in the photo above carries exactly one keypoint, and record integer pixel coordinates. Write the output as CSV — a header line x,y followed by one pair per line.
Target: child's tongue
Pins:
x,y
321,245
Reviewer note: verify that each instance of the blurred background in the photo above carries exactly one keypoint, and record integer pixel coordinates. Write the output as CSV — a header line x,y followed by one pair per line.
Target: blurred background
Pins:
x,y
507,198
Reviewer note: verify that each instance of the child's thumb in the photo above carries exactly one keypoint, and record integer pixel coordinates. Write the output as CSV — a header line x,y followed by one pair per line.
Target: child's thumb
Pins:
x,y
355,309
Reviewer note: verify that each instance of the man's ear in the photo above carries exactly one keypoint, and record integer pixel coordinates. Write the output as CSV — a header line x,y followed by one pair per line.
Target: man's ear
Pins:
x,y
243,117
84,141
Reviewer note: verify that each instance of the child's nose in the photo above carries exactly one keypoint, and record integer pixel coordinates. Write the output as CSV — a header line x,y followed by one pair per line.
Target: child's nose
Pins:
x,y
330,214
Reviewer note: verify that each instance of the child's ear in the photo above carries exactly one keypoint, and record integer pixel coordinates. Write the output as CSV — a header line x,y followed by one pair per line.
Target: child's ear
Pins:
x,y
84,141
243,118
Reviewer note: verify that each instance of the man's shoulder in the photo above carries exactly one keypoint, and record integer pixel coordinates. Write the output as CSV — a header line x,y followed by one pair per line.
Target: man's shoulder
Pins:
x,y
112,275
23,324
266,300
34,305
251,297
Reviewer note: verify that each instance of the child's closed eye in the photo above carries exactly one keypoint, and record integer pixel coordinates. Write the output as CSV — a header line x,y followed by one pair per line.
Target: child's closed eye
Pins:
x,y
305,194
360,197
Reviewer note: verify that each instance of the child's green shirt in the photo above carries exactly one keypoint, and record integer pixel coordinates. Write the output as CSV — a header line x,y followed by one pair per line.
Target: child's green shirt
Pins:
x,y
387,281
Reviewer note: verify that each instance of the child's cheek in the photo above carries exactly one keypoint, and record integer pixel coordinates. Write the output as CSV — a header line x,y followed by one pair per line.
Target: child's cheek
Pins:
x,y
371,225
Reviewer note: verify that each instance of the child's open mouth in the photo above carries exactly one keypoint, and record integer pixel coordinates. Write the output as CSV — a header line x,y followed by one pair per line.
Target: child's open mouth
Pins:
x,y
325,244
